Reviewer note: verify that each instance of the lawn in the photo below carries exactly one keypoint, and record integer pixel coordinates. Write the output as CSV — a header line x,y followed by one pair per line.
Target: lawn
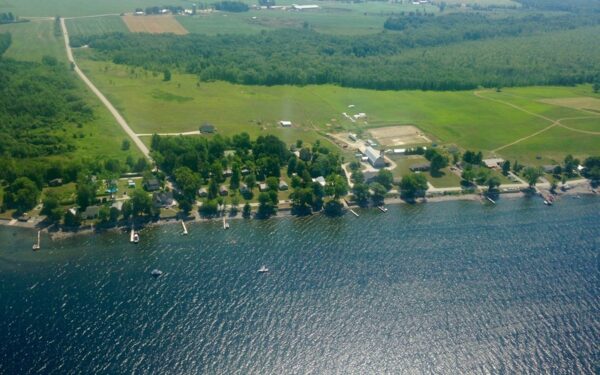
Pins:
x,y
96,25
33,40
66,193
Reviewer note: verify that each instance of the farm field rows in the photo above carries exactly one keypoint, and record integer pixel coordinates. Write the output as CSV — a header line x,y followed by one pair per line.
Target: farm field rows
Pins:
x,y
154,24
96,25
461,118
33,40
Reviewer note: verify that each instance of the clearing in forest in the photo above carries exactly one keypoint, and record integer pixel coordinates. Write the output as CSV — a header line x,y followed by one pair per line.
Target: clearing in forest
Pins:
x,y
154,24
577,103
399,135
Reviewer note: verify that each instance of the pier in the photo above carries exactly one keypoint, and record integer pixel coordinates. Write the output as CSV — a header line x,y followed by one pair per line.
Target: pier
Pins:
x,y
491,200
353,212
382,208
185,231
225,223
37,245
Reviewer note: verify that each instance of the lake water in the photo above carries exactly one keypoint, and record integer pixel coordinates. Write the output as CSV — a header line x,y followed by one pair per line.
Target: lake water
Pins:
x,y
445,288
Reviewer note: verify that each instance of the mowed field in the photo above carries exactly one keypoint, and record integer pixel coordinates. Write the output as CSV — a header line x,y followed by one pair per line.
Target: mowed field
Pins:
x,y
154,24
487,121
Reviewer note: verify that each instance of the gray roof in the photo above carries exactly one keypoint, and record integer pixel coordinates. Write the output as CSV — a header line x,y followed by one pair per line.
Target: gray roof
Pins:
x,y
373,155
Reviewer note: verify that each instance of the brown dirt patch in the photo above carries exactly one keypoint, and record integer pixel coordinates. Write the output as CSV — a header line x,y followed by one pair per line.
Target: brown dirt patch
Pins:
x,y
154,24
399,135
577,103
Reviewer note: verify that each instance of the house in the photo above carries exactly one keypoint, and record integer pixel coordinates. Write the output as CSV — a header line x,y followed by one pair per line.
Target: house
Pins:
x,y
285,123
263,186
244,188
131,184
320,180
55,182
245,171
227,173
73,211
283,185
163,199
91,212
399,151
118,205
152,184
422,167
493,163
549,168
375,157
223,190
207,128
139,12
202,192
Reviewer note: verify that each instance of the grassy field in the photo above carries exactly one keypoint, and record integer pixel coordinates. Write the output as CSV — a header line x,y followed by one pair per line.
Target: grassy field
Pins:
x,y
154,24
32,40
485,122
96,25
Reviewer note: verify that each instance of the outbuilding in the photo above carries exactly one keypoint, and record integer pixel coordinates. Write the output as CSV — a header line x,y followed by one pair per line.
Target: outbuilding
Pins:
x,y
283,185
375,157
421,167
285,123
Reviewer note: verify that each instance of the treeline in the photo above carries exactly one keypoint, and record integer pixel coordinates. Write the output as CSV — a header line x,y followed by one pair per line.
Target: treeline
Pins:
x,y
384,61
231,6
562,5
157,10
5,42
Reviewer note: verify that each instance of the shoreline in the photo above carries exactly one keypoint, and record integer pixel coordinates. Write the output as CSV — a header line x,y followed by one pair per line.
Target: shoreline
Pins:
x,y
63,233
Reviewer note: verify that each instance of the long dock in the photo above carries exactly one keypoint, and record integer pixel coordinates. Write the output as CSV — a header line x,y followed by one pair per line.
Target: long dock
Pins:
x,y
382,208
185,231
491,200
225,223
38,244
353,212
131,235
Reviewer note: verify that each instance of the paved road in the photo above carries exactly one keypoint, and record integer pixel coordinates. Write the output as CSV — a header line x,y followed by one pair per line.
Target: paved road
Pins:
x,y
120,120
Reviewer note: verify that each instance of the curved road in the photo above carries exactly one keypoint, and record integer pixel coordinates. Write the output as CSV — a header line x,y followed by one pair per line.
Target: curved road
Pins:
x,y
101,96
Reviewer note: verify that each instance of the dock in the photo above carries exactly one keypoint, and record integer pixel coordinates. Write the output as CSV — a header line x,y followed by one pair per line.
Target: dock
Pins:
x,y
353,212
131,235
37,245
491,200
382,208
185,231
225,223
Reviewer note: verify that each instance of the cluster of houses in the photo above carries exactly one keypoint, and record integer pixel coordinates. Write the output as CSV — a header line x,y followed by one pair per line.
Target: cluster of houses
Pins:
x,y
295,7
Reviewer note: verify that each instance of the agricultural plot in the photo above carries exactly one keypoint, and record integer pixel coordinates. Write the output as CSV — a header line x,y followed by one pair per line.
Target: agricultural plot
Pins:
x,y
586,103
154,25
33,40
95,25
77,8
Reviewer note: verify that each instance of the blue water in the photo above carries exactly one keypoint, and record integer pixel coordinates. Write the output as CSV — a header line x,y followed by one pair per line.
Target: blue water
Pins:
x,y
446,288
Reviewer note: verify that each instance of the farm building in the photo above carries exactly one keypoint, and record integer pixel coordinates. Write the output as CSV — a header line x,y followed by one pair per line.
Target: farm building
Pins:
x,y
285,123
493,163
305,7
422,167
375,157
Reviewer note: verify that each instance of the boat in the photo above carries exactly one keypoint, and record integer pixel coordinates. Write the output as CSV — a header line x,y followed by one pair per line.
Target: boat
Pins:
x,y
156,272
383,209
263,269
136,238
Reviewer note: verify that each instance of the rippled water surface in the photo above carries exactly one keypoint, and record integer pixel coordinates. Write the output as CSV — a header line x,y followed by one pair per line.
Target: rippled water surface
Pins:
x,y
446,288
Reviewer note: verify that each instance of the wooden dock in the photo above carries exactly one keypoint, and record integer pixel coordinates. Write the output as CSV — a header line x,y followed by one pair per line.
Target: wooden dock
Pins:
x,y
353,212
185,231
382,208
38,244
491,200
131,235
225,223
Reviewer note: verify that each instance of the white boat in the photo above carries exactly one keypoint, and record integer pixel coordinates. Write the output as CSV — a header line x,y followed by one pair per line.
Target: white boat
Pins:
x,y
156,272
383,208
136,238
263,269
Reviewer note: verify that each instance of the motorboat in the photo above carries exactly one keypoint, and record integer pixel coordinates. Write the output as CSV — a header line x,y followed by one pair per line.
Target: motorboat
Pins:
x,y
156,272
263,269
136,238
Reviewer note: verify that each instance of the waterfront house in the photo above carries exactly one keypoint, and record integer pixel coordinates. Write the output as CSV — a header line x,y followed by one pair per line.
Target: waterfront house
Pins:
x,y
91,212
152,184
163,199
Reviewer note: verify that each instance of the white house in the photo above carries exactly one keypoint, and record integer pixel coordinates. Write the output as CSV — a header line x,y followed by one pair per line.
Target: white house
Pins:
x,y
285,123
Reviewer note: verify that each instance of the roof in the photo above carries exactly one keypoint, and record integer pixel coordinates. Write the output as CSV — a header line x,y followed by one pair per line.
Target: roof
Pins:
x,y
283,183
285,123
420,166
118,205
91,211
320,180
373,155
303,7
549,168
492,163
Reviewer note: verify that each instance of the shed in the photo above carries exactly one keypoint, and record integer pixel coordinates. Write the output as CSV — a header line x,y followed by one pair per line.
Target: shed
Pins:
x,y
285,123
244,188
493,163
422,167
283,185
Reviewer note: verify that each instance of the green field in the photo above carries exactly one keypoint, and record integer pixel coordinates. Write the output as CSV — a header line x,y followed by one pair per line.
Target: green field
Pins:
x,y
32,40
96,25
460,118
75,8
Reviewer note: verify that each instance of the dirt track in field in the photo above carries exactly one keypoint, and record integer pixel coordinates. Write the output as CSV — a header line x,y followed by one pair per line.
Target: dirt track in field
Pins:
x,y
154,24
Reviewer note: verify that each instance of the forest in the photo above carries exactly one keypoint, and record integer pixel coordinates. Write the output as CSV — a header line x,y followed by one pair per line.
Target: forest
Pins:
x,y
420,56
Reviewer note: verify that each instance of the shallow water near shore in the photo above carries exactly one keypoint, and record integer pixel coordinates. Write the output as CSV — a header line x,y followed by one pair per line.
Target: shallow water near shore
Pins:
x,y
452,287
